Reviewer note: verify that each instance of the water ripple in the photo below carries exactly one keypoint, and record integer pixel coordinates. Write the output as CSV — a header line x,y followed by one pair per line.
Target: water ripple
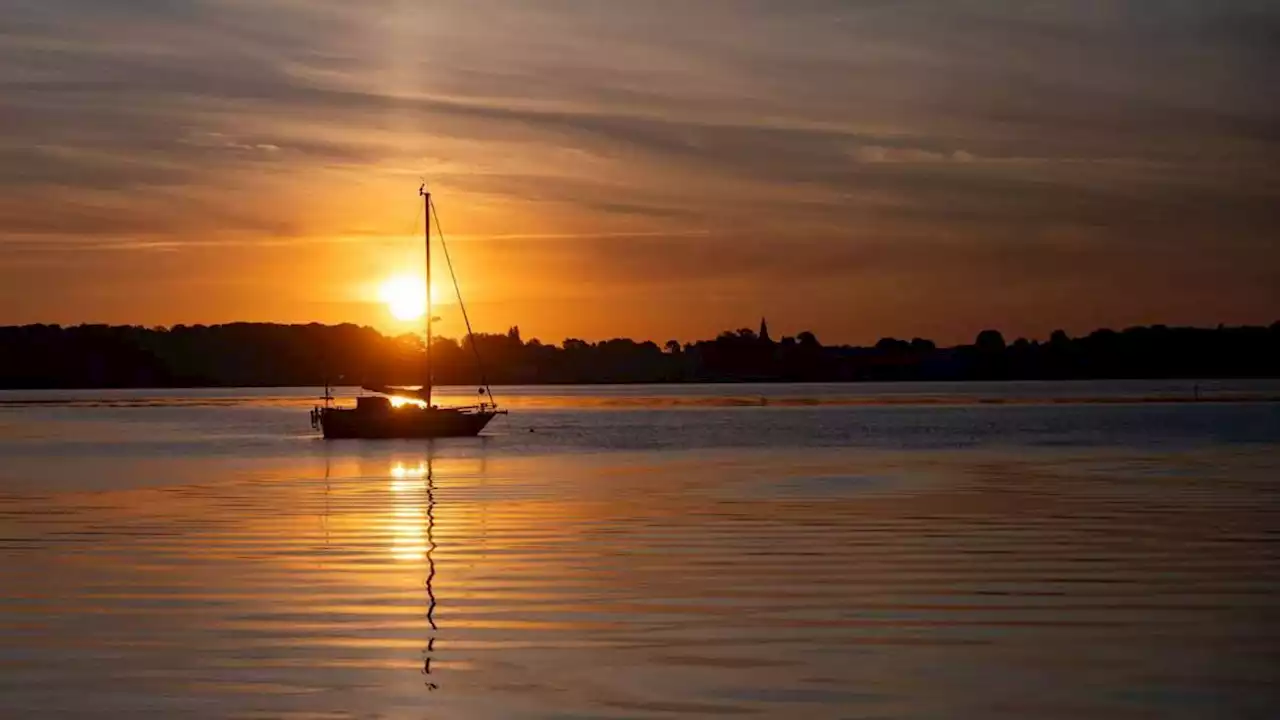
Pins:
x,y
394,581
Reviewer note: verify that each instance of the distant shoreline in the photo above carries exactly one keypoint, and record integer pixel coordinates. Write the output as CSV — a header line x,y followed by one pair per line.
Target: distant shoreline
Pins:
x,y
272,355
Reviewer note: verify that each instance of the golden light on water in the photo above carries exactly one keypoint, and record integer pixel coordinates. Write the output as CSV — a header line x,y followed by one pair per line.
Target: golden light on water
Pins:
x,y
408,541
400,471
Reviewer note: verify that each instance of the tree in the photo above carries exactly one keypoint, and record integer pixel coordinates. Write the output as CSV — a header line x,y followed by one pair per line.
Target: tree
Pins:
x,y
923,345
990,341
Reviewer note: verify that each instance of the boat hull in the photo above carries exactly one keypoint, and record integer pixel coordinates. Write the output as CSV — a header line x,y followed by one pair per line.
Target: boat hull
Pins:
x,y
415,423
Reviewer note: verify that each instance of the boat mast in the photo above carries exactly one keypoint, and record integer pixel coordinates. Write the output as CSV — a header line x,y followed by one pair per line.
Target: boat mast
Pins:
x,y
426,215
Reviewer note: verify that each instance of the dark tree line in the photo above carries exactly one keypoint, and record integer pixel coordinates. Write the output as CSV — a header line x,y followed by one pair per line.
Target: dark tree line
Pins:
x,y
244,354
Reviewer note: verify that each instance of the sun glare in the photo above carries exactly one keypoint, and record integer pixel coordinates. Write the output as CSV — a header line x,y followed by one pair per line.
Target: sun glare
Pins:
x,y
400,471
405,297
399,402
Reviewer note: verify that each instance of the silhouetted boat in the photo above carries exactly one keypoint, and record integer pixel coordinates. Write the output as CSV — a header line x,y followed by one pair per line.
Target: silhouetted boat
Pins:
x,y
396,412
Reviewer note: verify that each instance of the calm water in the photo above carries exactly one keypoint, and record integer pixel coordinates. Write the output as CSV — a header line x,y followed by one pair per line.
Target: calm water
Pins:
x,y
935,551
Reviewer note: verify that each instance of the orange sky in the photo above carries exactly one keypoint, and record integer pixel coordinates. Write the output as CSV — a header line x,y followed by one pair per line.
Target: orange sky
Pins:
x,y
657,170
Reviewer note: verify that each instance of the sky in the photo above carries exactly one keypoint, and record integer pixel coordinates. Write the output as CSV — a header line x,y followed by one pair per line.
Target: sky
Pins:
x,y
664,169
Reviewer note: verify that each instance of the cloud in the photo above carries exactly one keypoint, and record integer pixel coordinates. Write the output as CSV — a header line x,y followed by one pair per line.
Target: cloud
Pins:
x,y
813,129
882,154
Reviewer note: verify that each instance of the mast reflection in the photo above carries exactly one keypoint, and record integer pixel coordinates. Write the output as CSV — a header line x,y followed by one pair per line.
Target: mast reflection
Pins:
x,y
418,541
431,576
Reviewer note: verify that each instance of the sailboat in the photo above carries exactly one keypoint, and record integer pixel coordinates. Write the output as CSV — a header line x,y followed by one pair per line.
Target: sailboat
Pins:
x,y
412,414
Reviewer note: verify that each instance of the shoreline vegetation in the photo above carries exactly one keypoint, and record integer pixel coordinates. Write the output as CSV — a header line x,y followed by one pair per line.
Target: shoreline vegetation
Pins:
x,y
276,355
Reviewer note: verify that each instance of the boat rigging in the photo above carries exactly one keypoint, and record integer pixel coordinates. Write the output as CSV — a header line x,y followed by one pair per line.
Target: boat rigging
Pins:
x,y
378,417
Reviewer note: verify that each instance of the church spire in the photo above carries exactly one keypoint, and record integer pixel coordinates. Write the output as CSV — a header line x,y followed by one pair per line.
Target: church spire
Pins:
x,y
764,331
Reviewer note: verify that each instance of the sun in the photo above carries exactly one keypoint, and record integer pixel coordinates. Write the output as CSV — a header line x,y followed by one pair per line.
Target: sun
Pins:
x,y
405,297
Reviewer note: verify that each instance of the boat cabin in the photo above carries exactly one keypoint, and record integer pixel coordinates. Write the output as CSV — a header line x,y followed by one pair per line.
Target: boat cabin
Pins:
x,y
373,403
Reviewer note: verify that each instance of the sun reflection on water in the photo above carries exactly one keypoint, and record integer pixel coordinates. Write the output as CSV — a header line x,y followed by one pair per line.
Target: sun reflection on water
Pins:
x,y
405,478
409,542
413,522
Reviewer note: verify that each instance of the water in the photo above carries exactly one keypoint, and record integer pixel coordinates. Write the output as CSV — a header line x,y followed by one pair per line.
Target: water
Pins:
x,y
927,551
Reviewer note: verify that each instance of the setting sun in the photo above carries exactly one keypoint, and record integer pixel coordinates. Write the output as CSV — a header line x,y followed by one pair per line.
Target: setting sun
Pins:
x,y
405,297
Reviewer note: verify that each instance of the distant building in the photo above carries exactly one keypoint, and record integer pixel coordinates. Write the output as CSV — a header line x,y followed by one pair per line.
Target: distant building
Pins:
x,y
764,331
